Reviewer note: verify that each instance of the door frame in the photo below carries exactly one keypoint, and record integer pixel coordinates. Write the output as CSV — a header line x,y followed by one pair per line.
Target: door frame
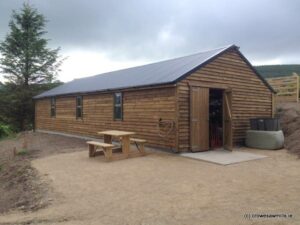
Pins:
x,y
225,90
227,109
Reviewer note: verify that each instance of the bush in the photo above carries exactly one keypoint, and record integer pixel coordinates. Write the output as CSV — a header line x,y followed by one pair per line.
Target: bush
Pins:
x,y
5,130
22,152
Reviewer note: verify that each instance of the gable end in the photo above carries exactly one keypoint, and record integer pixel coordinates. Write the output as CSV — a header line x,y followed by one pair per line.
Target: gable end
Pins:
x,y
236,49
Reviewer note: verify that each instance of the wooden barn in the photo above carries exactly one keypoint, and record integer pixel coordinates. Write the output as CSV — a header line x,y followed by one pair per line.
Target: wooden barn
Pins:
x,y
193,103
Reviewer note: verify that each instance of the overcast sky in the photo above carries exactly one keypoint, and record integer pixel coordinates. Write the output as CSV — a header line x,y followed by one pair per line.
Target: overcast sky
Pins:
x,y
104,35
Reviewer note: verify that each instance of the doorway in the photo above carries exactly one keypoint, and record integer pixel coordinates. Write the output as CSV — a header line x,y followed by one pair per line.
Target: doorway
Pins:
x,y
210,118
215,118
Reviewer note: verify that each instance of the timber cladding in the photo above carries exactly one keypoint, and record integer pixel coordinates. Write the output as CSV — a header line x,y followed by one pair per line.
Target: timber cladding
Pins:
x,y
246,96
250,96
142,110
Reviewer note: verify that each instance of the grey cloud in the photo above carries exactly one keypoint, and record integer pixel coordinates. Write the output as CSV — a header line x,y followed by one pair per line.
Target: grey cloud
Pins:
x,y
153,29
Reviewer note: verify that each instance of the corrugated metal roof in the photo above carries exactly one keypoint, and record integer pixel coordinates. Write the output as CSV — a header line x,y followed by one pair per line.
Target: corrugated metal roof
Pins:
x,y
159,73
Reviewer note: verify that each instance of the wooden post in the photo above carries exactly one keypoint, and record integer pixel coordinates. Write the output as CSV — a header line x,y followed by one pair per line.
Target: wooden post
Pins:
x,y
142,149
91,150
108,151
125,145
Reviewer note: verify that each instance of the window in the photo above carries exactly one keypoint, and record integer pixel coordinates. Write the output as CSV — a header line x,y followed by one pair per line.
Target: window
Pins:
x,y
79,112
118,106
53,107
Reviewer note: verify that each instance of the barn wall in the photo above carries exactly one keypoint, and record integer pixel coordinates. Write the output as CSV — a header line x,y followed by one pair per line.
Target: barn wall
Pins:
x,y
250,96
142,110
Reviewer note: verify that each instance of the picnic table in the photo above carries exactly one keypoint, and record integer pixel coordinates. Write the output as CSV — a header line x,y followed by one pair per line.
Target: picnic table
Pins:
x,y
123,135
107,147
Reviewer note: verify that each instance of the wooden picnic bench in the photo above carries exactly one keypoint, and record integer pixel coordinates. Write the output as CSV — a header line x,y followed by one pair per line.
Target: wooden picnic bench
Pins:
x,y
106,148
140,144
124,136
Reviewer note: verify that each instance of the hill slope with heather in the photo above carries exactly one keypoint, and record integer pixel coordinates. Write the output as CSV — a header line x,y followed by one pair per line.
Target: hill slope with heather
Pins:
x,y
278,70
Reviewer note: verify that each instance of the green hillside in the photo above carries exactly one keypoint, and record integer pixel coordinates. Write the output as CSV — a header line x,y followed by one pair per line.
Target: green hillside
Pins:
x,y
271,70
278,70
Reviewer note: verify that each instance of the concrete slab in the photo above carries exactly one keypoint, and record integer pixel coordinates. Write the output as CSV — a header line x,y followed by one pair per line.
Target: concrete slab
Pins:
x,y
223,157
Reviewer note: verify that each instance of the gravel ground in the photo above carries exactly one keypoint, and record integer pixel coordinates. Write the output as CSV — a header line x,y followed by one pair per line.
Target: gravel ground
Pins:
x,y
22,187
163,188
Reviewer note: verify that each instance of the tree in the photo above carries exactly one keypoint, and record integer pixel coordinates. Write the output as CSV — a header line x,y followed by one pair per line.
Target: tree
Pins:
x,y
25,56
27,64
16,104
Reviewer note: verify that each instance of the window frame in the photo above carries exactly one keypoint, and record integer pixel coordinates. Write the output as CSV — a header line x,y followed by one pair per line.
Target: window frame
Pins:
x,y
119,105
79,107
53,107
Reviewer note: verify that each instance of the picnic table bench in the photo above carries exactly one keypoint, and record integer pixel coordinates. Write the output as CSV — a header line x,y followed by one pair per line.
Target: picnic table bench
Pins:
x,y
107,147
139,144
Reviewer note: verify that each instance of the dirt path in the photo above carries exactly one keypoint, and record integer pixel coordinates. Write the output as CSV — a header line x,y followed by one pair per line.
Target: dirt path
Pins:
x,y
165,189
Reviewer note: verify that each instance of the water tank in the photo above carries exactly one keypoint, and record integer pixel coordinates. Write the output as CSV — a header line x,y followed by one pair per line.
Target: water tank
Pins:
x,y
266,124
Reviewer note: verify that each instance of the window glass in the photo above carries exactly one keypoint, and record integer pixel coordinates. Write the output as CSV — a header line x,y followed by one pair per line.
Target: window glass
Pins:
x,y
79,100
118,106
117,98
79,111
53,107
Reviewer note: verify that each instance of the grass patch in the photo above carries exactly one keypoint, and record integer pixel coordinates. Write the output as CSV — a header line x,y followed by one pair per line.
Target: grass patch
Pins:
x,y
5,130
22,152
10,137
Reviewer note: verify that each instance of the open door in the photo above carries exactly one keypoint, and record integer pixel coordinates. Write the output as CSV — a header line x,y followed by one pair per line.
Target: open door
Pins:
x,y
199,119
227,122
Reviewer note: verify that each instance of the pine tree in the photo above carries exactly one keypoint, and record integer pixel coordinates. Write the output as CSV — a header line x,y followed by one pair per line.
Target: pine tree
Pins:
x,y
28,66
26,59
